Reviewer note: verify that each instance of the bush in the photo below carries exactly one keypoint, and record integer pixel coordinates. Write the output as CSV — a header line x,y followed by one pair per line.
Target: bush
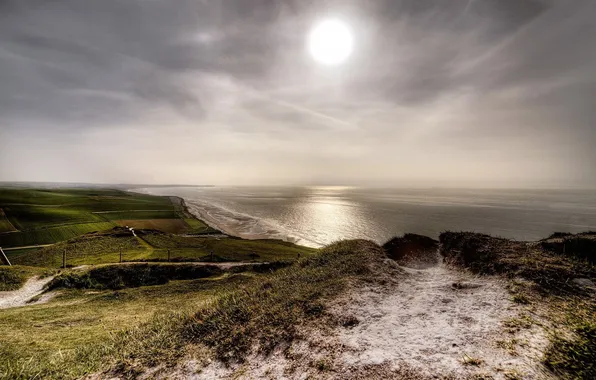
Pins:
x,y
488,255
130,276
412,249
581,246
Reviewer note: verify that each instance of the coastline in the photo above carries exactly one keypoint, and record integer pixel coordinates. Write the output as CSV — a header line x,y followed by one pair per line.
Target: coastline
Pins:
x,y
195,211
199,210
187,210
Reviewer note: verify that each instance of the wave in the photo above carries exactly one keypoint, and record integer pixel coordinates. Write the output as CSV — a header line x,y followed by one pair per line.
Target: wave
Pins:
x,y
243,225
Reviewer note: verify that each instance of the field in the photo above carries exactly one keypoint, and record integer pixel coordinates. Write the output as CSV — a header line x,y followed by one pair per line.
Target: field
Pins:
x,y
51,234
105,247
174,226
39,217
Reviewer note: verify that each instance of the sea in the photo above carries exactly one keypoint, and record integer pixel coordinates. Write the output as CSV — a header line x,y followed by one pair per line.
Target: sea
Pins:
x,y
318,215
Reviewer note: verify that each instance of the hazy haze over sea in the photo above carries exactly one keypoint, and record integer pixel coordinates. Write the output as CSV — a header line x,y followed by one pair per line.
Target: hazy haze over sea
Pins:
x,y
316,216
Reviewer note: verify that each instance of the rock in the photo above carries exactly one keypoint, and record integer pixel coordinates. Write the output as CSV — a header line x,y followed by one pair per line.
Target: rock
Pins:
x,y
585,283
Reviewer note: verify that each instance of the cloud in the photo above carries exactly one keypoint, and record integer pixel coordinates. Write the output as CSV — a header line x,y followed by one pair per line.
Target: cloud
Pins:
x,y
432,87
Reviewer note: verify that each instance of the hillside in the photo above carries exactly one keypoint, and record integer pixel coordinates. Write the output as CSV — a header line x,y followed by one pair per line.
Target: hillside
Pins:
x,y
347,311
157,304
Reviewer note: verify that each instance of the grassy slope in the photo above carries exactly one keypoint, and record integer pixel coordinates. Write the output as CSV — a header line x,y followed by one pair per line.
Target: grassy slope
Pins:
x,y
94,248
571,309
71,335
74,333
5,225
81,332
12,278
51,235
104,247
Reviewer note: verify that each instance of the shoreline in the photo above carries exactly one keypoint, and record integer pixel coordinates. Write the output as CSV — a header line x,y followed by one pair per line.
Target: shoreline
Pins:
x,y
187,210
233,234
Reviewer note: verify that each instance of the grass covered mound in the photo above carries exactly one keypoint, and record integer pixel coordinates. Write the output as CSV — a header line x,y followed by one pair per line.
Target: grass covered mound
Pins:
x,y
132,275
13,277
485,254
413,250
582,246
554,265
270,310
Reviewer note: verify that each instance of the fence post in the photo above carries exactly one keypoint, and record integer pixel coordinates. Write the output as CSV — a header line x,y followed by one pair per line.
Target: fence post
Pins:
x,y
3,258
64,258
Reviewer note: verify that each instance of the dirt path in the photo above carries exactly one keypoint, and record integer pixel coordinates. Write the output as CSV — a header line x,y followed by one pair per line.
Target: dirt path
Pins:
x,y
16,298
441,321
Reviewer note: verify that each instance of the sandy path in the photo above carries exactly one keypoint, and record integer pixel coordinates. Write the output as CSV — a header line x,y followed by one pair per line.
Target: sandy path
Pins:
x,y
432,320
19,297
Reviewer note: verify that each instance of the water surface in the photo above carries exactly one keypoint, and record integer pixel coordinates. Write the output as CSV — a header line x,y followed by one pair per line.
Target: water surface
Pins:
x,y
316,216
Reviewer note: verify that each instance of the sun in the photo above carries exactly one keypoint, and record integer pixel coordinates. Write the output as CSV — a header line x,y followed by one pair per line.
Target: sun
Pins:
x,y
330,42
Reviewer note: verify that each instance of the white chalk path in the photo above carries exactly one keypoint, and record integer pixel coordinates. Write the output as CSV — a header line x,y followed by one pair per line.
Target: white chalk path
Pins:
x,y
16,298
433,319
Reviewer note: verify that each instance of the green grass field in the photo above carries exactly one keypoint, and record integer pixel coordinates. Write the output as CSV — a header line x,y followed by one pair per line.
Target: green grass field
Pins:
x,y
51,235
51,216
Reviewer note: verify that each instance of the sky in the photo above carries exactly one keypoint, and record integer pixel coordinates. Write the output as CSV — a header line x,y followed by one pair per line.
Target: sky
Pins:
x,y
490,93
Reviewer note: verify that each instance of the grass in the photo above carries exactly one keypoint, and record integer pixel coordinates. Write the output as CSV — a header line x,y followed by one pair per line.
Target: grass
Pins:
x,y
198,227
50,216
112,314
550,272
26,217
12,278
574,357
5,224
78,332
94,248
469,360
229,249
51,235
521,299
104,247
174,226
571,353
140,215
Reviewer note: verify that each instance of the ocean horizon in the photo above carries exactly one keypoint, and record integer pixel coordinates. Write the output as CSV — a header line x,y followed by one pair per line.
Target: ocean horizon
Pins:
x,y
319,215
